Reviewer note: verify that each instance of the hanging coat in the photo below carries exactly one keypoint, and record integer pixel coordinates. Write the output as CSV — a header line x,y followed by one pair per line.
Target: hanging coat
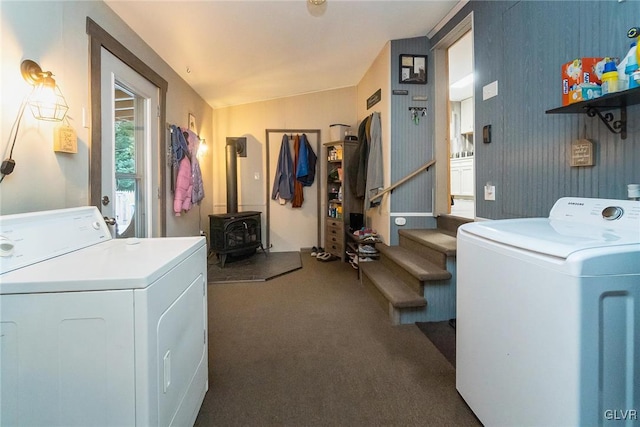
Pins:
x,y
357,169
179,149
298,194
375,179
197,194
182,195
306,170
283,181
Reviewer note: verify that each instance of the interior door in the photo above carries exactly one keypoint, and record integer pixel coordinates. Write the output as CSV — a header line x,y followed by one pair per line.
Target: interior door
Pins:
x,y
130,106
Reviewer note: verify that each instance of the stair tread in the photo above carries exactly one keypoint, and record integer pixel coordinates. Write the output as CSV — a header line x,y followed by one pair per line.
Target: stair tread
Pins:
x,y
433,238
396,291
419,267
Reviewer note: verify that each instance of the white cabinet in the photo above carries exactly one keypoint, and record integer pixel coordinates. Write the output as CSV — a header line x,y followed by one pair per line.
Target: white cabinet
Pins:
x,y
466,116
461,177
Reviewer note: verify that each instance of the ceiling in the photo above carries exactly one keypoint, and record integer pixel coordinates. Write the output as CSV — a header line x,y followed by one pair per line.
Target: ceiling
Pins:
x,y
239,51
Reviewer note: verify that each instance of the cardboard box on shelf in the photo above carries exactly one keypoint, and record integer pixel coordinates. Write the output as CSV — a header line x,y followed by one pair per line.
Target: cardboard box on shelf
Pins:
x,y
585,92
578,72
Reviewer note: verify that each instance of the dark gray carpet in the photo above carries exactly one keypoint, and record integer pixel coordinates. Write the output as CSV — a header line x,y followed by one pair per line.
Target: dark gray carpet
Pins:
x,y
255,268
443,336
313,348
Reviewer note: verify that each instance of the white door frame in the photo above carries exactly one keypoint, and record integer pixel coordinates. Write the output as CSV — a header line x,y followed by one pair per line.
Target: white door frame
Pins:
x,y
115,72
442,113
99,38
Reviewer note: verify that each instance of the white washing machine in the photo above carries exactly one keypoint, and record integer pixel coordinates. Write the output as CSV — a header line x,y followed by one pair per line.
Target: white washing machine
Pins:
x,y
548,316
99,331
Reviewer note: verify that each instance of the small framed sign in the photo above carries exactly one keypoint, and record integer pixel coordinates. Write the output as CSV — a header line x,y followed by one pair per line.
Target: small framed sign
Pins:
x,y
582,153
374,99
413,69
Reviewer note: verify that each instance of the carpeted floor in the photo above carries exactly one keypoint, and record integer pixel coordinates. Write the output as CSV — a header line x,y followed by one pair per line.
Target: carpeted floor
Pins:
x,y
313,348
443,336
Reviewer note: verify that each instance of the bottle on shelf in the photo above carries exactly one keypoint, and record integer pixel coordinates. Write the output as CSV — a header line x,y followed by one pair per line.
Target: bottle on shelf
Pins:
x,y
610,78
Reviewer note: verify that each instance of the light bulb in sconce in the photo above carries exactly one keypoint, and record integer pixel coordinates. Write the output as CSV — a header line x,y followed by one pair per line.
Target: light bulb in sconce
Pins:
x,y
46,100
316,8
202,148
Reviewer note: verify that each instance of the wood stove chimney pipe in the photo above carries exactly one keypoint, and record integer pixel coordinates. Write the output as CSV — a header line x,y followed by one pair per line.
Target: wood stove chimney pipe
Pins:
x,y
232,175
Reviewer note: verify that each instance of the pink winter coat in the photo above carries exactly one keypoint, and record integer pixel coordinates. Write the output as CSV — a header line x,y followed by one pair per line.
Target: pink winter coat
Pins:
x,y
184,187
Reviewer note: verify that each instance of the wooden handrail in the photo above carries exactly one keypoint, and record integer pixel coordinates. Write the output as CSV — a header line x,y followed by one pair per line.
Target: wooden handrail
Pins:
x,y
390,188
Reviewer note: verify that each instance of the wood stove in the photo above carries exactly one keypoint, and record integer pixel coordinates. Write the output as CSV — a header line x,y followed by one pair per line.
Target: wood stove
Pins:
x,y
235,234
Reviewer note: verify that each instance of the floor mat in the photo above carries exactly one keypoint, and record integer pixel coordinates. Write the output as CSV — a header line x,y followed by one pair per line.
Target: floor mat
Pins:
x,y
258,267
443,336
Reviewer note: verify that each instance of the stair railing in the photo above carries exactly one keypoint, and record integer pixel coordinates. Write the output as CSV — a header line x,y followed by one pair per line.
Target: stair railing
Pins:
x,y
398,183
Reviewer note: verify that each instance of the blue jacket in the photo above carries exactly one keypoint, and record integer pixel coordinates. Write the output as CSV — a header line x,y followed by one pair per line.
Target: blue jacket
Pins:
x,y
283,181
306,171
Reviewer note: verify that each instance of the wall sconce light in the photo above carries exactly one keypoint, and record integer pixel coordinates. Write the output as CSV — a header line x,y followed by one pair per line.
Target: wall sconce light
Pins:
x,y
202,148
46,100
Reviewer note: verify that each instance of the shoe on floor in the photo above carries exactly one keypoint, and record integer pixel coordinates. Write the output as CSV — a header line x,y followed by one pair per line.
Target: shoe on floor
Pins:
x,y
326,256
314,251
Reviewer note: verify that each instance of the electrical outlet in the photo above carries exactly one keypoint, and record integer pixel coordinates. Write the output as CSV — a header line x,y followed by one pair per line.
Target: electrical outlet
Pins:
x,y
489,192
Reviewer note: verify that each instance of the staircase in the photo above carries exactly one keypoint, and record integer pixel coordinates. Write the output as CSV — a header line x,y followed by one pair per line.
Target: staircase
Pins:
x,y
416,280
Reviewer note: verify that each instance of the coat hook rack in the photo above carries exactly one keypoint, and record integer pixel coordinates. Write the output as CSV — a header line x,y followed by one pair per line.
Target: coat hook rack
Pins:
x,y
416,112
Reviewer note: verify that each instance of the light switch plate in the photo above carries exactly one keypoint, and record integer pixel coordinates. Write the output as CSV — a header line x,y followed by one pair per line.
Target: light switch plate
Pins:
x,y
490,90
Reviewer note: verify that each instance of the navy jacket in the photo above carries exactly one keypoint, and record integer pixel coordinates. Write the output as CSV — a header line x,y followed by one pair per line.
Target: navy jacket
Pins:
x,y
283,181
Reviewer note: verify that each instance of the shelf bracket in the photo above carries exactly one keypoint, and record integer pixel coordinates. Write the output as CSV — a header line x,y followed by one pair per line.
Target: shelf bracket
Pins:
x,y
617,126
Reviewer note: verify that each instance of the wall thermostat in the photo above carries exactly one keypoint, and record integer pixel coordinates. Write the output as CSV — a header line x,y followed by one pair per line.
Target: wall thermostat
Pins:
x,y
486,134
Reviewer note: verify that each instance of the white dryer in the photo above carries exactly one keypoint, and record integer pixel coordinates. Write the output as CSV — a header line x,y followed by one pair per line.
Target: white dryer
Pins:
x,y
548,316
99,331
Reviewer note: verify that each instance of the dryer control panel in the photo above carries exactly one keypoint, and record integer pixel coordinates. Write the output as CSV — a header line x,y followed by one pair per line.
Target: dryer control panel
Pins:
x,y
29,238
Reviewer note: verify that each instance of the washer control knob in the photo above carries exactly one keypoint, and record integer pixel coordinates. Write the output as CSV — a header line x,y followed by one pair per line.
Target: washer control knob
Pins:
x,y
612,213
6,247
95,225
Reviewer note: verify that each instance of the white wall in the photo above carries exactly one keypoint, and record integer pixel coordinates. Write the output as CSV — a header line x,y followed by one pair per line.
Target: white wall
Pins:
x,y
310,111
378,76
53,33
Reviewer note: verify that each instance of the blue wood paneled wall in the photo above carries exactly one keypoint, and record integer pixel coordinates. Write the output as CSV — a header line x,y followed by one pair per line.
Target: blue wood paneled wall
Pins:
x,y
522,45
411,143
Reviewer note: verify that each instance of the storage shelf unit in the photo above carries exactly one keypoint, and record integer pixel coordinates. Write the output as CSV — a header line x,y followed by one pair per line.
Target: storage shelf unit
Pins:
x,y
596,107
340,201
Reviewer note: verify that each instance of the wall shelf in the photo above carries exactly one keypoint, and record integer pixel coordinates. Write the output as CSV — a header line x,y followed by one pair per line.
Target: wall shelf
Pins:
x,y
600,107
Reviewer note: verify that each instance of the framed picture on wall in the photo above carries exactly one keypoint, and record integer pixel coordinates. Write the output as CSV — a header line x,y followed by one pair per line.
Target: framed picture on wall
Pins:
x,y
413,69
192,122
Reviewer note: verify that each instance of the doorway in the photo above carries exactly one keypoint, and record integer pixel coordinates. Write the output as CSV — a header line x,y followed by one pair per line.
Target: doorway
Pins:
x,y
153,144
292,229
461,127
130,125
457,185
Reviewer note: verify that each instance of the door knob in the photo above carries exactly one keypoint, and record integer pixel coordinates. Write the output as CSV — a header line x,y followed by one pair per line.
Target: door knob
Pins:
x,y
110,221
